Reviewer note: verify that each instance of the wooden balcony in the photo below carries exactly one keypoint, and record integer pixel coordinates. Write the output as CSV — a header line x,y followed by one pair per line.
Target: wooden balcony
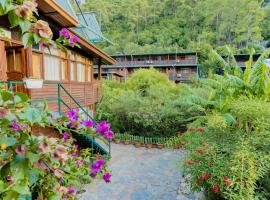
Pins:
x,y
154,63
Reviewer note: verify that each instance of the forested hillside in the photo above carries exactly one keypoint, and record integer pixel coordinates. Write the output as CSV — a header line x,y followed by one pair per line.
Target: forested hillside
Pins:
x,y
169,25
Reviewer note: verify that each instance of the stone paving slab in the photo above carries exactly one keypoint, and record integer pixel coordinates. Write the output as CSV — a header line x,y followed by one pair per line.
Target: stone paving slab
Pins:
x,y
139,174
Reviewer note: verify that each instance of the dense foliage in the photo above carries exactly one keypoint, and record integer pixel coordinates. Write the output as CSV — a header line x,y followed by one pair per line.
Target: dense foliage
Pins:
x,y
147,104
229,155
170,25
39,167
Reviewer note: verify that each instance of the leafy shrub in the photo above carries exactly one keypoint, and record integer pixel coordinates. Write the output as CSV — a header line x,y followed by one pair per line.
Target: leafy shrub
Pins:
x,y
147,104
41,167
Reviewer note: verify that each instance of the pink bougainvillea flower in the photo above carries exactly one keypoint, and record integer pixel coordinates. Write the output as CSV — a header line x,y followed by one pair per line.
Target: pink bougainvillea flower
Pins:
x,y
74,40
109,135
65,33
79,163
103,127
44,147
26,10
200,129
42,29
61,153
20,150
58,173
65,136
98,165
88,123
15,126
40,165
71,190
73,154
215,188
107,177
190,129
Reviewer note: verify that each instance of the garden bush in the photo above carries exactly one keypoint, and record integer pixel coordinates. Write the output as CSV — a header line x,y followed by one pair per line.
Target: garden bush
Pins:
x,y
146,104
229,142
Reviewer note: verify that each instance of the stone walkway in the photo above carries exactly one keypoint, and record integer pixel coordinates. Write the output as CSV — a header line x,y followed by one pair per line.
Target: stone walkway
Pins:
x,y
140,174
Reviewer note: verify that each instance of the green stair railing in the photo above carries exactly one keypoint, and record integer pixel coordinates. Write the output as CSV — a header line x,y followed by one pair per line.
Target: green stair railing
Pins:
x,y
88,140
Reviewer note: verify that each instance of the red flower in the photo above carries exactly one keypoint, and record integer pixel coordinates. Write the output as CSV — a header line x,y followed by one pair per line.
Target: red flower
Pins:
x,y
190,129
205,176
198,181
215,188
226,181
199,151
200,129
188,162
206,144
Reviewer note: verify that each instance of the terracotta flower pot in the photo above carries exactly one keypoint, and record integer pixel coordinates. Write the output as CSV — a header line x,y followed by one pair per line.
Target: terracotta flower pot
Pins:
x,y
177,146
137,144
117,141
127,142
160,146
149,146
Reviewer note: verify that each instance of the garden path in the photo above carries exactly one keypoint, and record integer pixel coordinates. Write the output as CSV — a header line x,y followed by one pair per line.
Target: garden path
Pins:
x,y
141,174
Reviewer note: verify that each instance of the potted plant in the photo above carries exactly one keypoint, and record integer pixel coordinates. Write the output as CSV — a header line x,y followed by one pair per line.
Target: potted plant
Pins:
x,y
160,143
126,139
148,143
137,143
117,139
33,83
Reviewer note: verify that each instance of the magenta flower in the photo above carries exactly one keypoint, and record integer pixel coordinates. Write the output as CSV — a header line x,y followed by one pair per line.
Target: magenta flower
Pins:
x,y
109,135
88,123
74,40
98,165
15,126
73,114
79,163
93,174
65,136
71,190
107,177
64,32
76,146
103,127
73,154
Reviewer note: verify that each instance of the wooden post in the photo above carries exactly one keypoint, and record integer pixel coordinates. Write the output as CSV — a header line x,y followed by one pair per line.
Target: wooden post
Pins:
x,y
29,62
3,63
99,70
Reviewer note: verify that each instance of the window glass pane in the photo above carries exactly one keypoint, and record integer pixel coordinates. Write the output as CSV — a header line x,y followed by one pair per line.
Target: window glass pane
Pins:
x,y
64,72
52,51
72,71
37,65
52,68
18,62
80,72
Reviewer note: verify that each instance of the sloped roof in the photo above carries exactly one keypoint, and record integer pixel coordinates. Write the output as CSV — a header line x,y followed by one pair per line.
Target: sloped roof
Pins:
x,y
65,4
89,27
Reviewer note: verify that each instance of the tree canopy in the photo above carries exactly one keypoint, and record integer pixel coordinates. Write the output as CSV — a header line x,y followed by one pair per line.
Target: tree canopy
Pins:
x,y
161,25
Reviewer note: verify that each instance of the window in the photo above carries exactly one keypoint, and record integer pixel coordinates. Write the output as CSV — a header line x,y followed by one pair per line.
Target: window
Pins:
x,y
88,74
80,72
52,68
37,65
64,70
72,71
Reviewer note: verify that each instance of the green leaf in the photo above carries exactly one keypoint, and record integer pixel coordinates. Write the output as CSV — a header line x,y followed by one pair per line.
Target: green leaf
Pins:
x,y
6,96
3,186
24,25
37,38
14,20
8,141
21,189
32,156
32,115
28,39
20,97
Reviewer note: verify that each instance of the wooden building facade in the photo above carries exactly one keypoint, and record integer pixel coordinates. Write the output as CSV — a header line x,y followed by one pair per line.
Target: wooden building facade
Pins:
x,y
179,66
73,67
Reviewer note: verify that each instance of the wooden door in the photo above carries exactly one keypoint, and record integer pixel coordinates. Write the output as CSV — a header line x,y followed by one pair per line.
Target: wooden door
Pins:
x,y
16,66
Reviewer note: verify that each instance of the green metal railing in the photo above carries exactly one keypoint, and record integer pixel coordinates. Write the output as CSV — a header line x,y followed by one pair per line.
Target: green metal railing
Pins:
x,y
60,101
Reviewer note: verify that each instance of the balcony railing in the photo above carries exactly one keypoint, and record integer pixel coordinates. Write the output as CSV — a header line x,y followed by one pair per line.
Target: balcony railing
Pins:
x,y
155,63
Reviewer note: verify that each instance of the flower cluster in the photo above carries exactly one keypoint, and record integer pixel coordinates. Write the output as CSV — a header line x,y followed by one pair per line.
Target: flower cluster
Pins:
x,y
203,177
65,38
97,167
25,11
103,128
199,129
